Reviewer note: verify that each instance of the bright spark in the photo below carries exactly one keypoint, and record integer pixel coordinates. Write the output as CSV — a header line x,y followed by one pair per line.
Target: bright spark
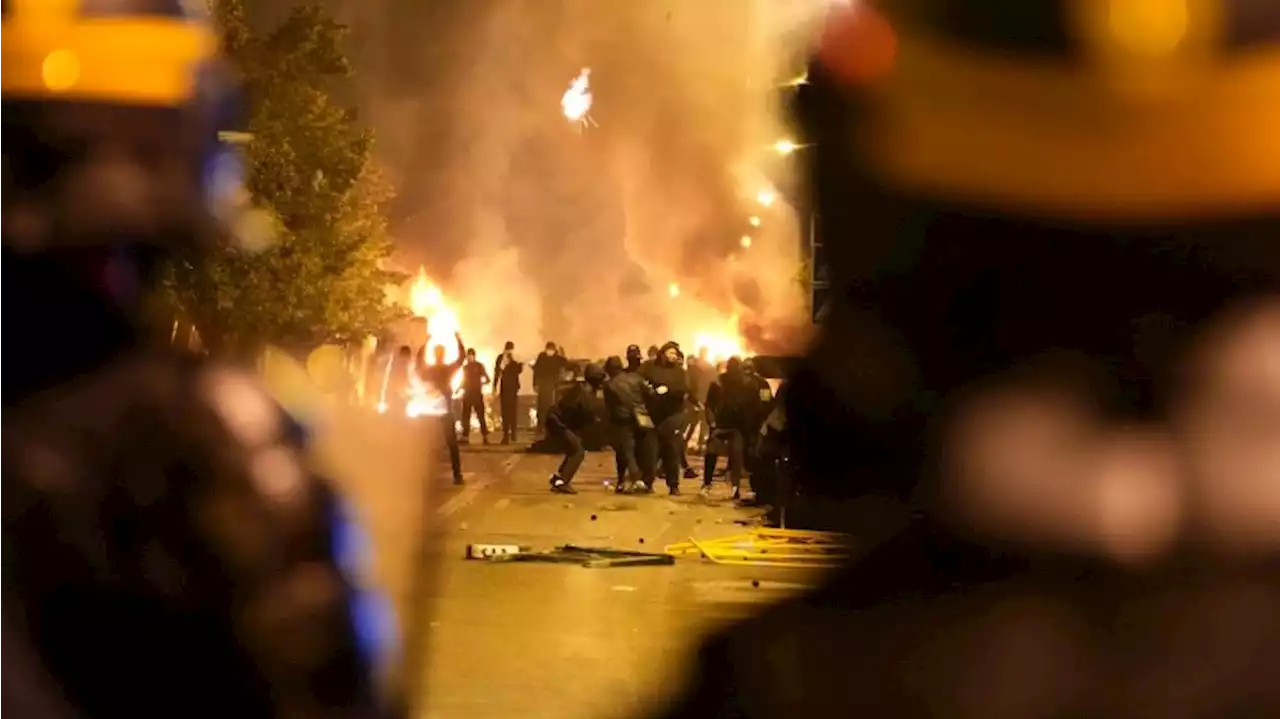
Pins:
x,y
745,241
785,147
753,221
576,101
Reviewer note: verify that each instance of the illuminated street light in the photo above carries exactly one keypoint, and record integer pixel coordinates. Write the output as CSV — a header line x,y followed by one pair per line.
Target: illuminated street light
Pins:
x,y
766,197
785,147
745,241
753,221
673,289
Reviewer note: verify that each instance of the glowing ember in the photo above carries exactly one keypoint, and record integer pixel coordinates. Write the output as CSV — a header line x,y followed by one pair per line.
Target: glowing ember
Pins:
x,y
576,101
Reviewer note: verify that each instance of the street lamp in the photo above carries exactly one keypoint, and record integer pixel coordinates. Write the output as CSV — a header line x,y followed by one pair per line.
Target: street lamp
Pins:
x,y
753,221
745,241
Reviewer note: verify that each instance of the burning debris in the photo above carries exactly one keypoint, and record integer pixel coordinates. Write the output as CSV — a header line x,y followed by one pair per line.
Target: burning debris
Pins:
x,y
576,101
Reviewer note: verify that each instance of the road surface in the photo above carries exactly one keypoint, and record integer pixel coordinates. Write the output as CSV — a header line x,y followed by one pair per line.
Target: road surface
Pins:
x,y
563,641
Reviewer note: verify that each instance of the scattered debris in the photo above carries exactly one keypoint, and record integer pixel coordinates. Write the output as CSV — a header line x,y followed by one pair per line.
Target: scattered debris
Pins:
x,y
788,548
488,551
593,517
591,557
755,583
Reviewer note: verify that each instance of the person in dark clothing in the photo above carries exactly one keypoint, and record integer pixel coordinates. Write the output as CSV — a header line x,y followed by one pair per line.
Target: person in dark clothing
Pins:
x,y
474,378
731,407
547,371
506,378
577,409
759,413
670,387
397,378
439,377
701,375
626,394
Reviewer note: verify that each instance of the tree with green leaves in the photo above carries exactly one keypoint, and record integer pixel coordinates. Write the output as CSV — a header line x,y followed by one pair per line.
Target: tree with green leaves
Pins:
x,y
309,168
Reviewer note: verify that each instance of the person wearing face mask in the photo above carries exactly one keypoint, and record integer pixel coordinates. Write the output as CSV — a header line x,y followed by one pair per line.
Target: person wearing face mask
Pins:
x,y
506,379
670,384
548,370
626,396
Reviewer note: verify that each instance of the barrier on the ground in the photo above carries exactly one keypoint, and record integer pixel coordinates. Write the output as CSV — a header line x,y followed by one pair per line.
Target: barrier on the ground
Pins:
x,y
765,547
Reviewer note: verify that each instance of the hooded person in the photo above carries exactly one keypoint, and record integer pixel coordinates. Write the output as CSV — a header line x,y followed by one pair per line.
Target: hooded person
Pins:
x,y
670,384
732,402
577,408
626,397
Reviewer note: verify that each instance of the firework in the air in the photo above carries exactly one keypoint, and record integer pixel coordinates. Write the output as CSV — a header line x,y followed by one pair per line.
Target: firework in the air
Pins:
x,y
576,102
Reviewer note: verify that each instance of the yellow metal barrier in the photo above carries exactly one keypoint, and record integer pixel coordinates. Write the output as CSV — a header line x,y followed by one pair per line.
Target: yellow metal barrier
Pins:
x,y
786,548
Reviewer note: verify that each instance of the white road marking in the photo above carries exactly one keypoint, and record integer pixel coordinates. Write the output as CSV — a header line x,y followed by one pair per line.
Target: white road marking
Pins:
x,y
468,495
622,588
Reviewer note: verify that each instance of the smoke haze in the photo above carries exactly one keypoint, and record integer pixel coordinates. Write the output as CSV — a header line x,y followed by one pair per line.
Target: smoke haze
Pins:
x,y
542,229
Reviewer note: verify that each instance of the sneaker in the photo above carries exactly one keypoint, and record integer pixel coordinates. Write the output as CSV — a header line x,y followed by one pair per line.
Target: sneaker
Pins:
x,y
673,491
559,486
705,491
643,488
690,473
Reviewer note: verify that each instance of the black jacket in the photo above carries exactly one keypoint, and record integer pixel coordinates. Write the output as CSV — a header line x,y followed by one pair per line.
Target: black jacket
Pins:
x,y
733,402
474,378
577,407
547,370
506,377
668,402
626,396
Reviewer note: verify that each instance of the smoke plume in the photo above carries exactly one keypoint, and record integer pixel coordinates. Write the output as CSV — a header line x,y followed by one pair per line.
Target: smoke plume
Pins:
x,y
626,230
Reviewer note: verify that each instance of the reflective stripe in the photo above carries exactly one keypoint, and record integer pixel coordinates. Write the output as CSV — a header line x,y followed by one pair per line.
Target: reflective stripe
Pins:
x,y
1197,140
148,61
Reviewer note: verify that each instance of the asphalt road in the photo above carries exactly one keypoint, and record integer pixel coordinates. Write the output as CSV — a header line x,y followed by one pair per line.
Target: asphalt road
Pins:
x,y
564,641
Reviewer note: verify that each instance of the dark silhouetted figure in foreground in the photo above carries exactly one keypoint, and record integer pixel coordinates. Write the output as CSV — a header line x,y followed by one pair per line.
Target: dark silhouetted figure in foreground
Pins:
x,y
438,376
168,553
474,378
577,409
506,378
1051,336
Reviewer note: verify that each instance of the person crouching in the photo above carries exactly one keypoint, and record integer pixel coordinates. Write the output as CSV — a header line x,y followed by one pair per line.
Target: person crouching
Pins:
x,y
575,410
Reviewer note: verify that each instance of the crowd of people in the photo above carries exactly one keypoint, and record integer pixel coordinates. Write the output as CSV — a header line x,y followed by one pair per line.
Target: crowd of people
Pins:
x,y
654,406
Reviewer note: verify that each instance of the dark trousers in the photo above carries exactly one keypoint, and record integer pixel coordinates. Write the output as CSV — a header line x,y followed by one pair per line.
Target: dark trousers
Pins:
x,y
449,428
632,453
509,404
670,445
473,401
574,452
546,400
733,445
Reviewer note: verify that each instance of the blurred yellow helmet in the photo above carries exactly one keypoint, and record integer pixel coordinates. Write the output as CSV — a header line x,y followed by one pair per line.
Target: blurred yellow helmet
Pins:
x,y
129,52
1084,108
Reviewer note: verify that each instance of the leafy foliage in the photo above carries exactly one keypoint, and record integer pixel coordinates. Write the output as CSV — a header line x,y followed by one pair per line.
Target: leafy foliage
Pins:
x,y
309,167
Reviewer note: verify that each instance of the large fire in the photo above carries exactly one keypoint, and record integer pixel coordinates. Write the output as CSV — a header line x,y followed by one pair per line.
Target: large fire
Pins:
x,y
427,301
